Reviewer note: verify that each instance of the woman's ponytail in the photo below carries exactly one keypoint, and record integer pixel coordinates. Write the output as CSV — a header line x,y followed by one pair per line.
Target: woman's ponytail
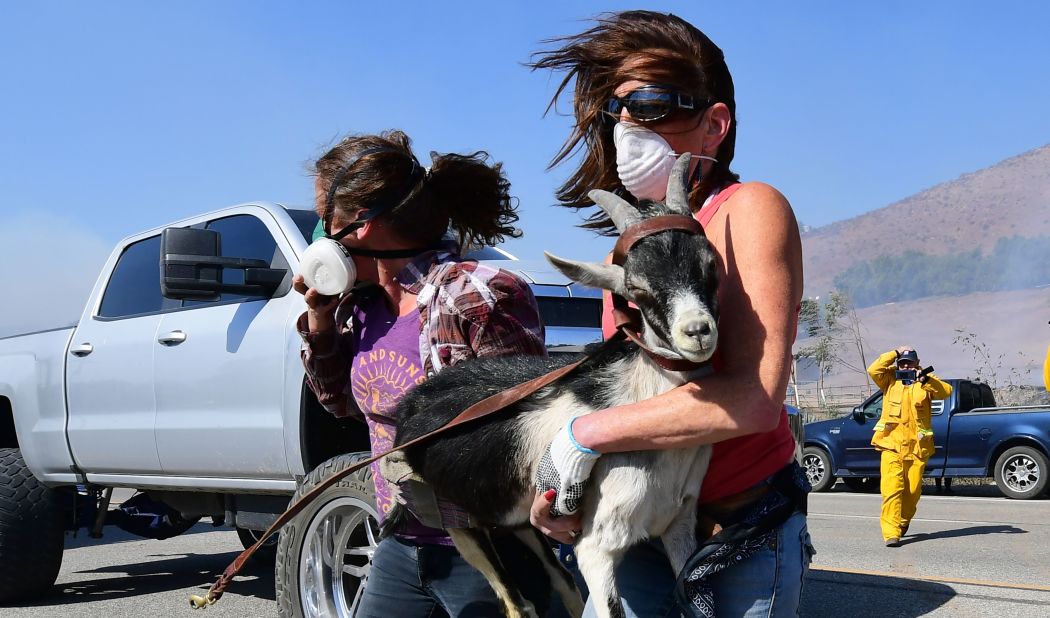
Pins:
x,y
474,196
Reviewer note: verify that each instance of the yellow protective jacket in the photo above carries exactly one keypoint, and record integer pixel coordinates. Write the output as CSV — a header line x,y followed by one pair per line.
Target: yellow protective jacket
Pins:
x,y
1046,370
904,426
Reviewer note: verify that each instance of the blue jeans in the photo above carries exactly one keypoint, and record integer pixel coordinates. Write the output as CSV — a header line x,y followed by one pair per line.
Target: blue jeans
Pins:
x,y
409,580
768,584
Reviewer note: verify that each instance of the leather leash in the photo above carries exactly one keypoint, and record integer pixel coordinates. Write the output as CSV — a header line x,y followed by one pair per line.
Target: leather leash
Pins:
x,y
627,320
485,407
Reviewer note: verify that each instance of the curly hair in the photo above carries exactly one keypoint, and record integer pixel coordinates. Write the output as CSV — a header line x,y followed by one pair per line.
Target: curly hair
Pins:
x,y
464,193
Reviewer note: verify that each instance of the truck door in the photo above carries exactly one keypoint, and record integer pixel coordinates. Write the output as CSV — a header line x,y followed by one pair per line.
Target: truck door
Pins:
x,y
939,418
220,368
860,456
967,440
109,376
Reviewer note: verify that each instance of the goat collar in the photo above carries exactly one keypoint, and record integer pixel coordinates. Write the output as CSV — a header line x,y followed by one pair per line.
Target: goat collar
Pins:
x,y
627,319
648,227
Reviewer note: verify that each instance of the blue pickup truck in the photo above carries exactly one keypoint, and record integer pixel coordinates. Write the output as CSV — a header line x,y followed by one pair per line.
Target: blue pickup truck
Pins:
x,y
972,438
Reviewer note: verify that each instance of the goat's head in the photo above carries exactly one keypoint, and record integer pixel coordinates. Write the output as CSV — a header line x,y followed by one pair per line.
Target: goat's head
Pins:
x,y
671,275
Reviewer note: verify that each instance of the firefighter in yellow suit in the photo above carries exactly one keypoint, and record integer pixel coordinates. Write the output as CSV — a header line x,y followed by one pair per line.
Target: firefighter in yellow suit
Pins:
x,y
903,434
1046,370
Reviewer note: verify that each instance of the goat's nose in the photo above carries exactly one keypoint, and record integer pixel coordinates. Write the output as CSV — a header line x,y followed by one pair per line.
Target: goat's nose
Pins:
x,y
697,329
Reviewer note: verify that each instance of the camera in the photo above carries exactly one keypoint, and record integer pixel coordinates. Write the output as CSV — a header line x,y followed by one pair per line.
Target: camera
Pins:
x,y
907,376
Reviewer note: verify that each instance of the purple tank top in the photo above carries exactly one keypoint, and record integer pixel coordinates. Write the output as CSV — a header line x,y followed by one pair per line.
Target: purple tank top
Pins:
x,y
385,367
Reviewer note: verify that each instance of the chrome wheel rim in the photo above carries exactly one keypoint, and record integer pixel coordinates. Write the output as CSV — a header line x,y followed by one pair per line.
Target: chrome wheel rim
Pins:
x,y
336,557
814,468
1021,473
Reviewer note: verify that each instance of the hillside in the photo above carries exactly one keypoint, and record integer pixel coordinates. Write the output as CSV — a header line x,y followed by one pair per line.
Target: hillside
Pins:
x,y
971,212
1013,326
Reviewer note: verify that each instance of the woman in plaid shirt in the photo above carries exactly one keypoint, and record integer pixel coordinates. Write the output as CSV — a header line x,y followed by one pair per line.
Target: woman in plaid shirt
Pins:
x,y
408,317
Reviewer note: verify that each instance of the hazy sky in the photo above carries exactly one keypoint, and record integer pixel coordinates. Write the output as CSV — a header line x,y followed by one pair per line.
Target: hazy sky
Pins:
x,y
120,116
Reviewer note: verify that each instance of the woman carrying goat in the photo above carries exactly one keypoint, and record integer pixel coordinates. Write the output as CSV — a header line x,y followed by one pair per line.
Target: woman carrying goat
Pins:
x,y
647,86
489,467
416,309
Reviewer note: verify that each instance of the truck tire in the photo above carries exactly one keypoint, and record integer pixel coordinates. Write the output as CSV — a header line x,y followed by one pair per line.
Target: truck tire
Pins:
x,y
1021,473
308,559
817,464
32,531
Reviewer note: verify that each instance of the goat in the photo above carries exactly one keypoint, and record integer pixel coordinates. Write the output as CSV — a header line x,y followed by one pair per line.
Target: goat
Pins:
x,y
487,468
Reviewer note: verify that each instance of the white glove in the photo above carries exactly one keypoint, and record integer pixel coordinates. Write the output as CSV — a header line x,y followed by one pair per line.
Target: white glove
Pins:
x,y
565,468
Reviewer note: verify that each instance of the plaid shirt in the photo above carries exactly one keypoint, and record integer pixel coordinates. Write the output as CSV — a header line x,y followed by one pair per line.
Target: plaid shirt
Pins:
x,y
466,310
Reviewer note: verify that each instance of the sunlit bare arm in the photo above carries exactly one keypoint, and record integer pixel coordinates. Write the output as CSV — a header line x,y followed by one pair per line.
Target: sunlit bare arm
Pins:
x,y
762,256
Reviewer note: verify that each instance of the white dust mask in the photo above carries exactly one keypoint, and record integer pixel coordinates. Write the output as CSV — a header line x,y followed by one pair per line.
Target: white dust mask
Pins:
x,y
644,160
327,264
327,267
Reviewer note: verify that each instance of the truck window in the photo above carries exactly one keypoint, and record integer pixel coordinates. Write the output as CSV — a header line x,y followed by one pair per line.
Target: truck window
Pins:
x,y
243,236
134,286
874,409
306,221
969,396
987,398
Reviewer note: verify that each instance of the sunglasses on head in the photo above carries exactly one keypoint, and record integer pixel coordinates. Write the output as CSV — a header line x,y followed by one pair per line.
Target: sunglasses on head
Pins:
x,y
652,103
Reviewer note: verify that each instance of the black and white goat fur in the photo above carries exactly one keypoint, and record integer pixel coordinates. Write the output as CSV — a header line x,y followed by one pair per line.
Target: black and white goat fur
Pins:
x,y
487,467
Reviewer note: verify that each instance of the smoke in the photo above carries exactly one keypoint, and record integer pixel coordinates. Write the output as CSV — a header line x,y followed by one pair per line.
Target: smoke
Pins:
x,y
49,265
1021,262
1005,335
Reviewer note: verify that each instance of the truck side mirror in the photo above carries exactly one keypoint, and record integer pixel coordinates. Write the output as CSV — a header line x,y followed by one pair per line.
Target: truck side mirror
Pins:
x,y
191,268
858,415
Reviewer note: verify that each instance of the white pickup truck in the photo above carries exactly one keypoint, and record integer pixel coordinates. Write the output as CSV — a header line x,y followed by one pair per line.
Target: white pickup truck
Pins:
x,y
182,379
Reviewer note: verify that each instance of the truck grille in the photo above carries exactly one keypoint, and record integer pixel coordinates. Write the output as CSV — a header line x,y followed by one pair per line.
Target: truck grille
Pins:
x,y
570,312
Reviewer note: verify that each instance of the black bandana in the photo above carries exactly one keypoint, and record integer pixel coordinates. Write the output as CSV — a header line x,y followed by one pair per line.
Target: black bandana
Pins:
x,y
740,541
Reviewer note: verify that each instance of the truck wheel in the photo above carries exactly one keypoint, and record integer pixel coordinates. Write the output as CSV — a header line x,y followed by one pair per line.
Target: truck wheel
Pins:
x,y
31,531
324,554
1021,473
266,554
817,464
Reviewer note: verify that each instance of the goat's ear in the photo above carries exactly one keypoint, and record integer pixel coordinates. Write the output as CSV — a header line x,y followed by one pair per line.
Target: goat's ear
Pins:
x,y
604,276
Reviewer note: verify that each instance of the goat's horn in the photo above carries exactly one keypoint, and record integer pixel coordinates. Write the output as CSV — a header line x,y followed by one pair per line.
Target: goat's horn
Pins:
x,y
619,211
678,186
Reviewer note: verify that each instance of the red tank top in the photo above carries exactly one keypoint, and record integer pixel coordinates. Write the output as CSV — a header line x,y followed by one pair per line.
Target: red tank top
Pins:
x,y
738,463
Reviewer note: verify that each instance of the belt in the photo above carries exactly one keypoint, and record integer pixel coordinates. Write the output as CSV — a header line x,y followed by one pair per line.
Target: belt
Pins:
x,y
717,514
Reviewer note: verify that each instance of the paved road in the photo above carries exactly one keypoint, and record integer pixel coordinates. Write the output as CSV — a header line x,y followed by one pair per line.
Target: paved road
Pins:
x,y
970,554
123,576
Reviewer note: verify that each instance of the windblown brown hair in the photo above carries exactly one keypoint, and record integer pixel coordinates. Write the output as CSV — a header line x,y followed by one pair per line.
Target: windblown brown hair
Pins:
x,y
464,192
643,45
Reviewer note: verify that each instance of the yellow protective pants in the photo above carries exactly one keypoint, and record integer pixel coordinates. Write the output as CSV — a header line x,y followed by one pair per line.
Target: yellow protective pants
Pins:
x,y
901,487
